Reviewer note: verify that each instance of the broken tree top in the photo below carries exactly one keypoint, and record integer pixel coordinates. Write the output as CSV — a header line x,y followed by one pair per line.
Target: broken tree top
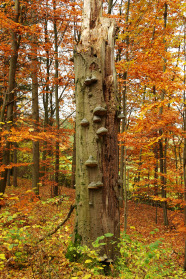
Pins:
x,y
92,10
95,27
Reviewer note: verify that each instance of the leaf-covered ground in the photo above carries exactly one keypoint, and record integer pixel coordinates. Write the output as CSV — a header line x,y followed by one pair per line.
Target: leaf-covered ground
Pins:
x,y
26,219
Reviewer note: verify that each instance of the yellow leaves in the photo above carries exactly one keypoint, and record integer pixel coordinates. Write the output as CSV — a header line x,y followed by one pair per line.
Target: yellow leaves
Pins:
x,y
88,261
66,228
156,198
87,276
29,191
132,227
156,139
2,257
14,198
4,195
79,273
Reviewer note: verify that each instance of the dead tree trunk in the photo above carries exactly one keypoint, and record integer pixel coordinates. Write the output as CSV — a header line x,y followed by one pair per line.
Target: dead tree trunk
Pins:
x,y
96,130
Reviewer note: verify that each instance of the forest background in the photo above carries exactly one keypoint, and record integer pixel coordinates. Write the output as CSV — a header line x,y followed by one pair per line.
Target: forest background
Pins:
x,y
37,39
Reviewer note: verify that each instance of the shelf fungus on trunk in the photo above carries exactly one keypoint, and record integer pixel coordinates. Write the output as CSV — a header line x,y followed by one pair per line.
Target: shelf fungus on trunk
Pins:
x,y
97,101
96,119
100,111
121,116
84,122
92,185
102,131
91,162
90,80
99,184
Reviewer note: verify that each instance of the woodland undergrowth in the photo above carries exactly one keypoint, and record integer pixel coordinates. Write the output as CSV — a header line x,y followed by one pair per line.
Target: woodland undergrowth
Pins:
x,y
148,250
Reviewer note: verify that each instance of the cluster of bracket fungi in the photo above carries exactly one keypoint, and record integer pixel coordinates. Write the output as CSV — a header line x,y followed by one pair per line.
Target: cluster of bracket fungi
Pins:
x,y
91,162
98,113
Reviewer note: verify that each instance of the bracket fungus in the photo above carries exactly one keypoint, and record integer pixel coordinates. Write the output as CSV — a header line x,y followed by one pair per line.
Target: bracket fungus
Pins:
x,y
100,111
121,116
102,131
99,184
90,80
91,162
92,185
96,119
84,122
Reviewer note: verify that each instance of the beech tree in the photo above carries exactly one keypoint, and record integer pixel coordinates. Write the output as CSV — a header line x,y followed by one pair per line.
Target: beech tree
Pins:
x,y
97,109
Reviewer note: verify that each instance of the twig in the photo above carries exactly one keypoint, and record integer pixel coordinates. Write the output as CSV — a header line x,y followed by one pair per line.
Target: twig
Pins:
x,y
60,225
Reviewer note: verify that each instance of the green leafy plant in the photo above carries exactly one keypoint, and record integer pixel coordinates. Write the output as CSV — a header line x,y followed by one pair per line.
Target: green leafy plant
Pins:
x,y
139,260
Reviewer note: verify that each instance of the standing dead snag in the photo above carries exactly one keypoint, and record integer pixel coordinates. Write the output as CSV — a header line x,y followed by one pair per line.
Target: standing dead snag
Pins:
x,y
96,130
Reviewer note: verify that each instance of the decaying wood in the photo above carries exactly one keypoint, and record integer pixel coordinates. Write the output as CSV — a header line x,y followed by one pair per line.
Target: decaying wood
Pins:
x,y
96,95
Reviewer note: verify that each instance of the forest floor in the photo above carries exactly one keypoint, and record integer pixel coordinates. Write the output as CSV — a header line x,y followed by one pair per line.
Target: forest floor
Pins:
x,y
25,219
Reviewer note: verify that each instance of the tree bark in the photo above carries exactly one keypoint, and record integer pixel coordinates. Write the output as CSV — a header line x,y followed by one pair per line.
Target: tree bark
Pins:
x,y
184,149
96,142
46,96
73,179
15,162
123,172
56,190
162,146
35,116
184,127
9,100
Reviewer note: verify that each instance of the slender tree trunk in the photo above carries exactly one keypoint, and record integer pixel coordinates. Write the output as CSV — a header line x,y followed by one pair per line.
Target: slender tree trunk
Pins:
x,y
97,191
162,145
184,128
125,190
176,160
110,5
124,127
73,180
8,177
156,180
35,116
15,162
15,40
56,190
139,166
46,95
